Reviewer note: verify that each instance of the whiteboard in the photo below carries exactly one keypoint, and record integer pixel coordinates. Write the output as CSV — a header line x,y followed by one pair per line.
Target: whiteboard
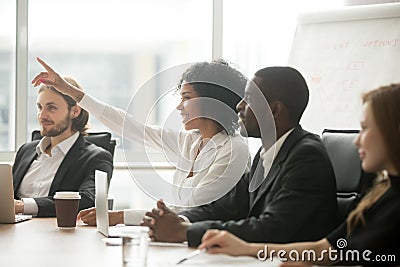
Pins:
x,y
342,54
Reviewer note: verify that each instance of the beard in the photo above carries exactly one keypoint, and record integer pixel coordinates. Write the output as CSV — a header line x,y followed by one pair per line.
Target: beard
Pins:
x,y
58,128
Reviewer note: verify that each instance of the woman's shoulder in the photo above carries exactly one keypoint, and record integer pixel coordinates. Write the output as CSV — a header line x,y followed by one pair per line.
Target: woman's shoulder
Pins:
x,y
387,207
236,146
239,141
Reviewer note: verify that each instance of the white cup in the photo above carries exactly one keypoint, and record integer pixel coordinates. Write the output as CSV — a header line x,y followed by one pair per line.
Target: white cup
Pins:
x,y
135,242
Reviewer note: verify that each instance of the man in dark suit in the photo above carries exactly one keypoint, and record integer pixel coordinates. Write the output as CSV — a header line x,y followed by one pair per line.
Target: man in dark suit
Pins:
x,y
61,161
288,196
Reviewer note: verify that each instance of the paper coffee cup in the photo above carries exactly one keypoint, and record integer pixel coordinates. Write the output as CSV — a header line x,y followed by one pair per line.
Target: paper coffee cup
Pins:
x,y
67,205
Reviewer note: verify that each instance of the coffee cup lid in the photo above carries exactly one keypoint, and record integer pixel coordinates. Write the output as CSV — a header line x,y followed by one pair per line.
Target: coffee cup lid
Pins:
x,y
67,195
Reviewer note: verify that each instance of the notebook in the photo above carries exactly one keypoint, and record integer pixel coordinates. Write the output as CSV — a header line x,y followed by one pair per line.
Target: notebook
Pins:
x,y
7,210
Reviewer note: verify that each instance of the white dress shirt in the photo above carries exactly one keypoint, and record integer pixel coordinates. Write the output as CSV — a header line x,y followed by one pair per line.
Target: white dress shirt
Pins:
x,y
40,175
268,156
213,173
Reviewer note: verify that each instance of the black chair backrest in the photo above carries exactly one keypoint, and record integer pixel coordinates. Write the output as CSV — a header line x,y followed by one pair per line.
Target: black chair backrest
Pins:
x,y
347,167
346,203
101,139
344,157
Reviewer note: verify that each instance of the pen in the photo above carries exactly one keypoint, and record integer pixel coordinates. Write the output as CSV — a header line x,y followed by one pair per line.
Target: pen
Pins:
x,y
191,255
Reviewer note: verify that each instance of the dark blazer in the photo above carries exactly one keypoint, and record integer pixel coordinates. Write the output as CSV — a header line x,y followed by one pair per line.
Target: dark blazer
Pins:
x,y
76,173
296,201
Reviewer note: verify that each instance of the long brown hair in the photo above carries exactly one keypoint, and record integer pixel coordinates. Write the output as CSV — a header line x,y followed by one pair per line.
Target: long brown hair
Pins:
x,y
385,105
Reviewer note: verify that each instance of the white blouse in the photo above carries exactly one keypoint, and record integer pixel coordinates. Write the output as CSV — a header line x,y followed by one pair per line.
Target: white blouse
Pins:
x,y
216,169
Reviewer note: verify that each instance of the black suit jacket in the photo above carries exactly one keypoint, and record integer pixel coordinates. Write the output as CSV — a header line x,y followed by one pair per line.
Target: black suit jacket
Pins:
x,y
296,201
76,173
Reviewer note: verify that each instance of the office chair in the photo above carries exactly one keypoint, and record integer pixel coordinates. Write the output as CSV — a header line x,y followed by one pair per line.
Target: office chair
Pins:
x,y
347,167
101,139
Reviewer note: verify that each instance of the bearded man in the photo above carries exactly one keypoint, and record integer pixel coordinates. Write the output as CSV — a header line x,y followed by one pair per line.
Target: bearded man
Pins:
x,y
61,161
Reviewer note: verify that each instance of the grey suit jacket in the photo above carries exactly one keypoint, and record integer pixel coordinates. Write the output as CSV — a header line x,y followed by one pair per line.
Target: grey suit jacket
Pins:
x,y
76,173
295,202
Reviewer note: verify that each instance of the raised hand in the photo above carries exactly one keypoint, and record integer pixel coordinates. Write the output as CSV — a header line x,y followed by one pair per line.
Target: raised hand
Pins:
x,y
48,77
52,78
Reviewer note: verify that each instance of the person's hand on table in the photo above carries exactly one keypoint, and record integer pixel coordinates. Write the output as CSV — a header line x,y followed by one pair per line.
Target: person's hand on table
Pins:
x,y
88,216
217,241
19,206
165,225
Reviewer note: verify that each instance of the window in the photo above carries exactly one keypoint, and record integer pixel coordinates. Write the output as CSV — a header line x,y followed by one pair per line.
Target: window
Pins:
x,y
259,33
7,74
113,47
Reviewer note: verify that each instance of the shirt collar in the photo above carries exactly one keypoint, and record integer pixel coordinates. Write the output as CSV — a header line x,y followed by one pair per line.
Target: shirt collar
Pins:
x,y
218,140
268,156
64,146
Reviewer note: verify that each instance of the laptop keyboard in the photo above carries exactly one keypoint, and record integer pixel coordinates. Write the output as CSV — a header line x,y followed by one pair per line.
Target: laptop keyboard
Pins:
x,y
20,217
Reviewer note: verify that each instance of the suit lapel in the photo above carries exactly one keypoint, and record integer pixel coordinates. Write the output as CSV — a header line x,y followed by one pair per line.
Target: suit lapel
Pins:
x,y
257,170
65,165
273,174
25,164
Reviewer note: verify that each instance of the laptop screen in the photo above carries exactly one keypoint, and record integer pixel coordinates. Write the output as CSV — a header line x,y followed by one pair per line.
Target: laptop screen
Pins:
x,y
101,183
7,212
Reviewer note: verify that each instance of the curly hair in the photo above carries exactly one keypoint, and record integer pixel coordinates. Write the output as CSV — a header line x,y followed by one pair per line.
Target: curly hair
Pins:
x,y
219,81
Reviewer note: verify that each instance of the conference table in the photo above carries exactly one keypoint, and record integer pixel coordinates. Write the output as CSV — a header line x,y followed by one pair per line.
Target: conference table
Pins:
x,y
39,242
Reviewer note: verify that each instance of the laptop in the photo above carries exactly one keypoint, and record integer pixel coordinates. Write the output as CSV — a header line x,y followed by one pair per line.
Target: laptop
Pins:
x,y
7,209
102,221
